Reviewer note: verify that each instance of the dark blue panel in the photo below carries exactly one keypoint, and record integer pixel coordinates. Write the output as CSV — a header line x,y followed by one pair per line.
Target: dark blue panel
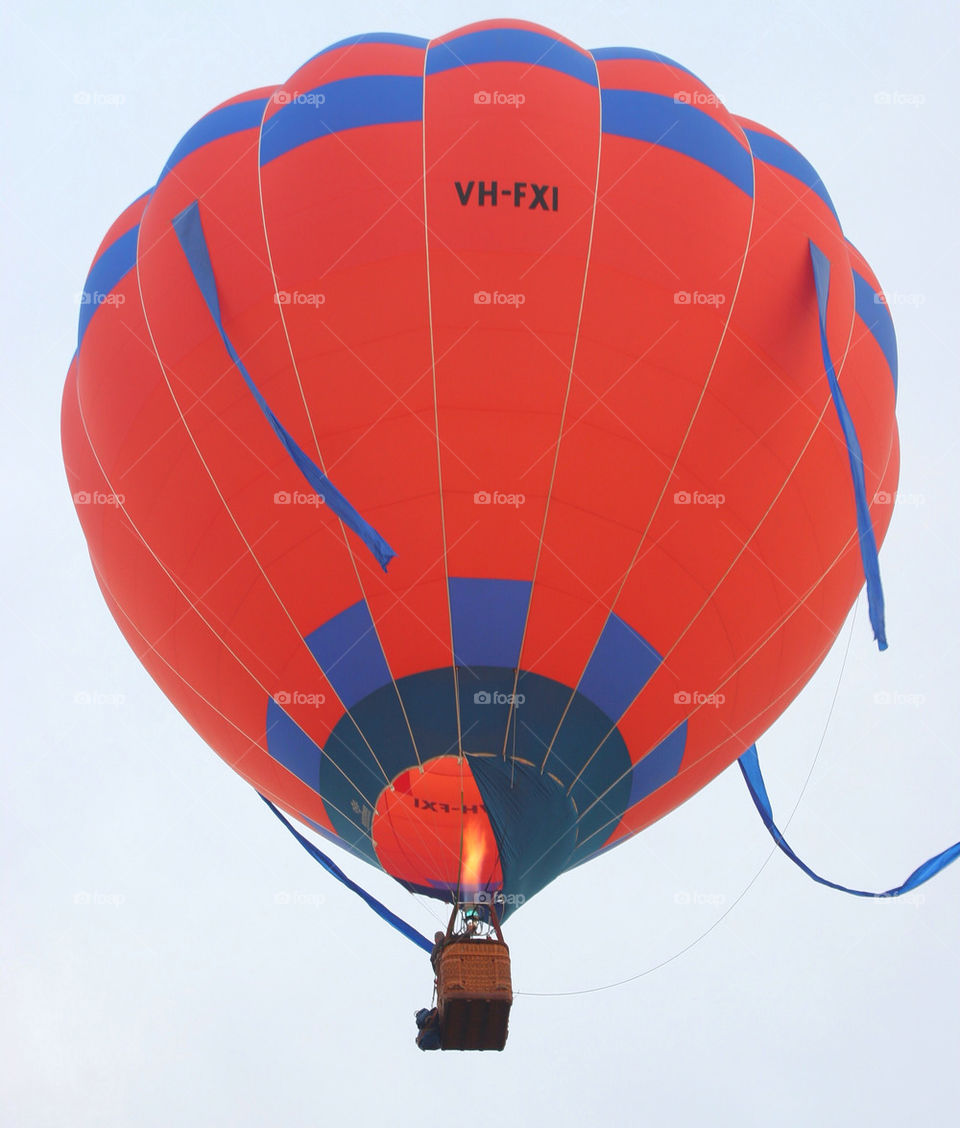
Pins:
x,y
116,261
778,153
541,705
349,654
538,709
374,37
873,312
534,823
371,749
511,45
621,665
488,618
571,761
348,103
217,124
602,54
484,696
680,127
659,765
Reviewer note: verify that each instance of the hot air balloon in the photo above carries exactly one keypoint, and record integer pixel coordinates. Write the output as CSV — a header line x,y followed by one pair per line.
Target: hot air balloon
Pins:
x,y
481,442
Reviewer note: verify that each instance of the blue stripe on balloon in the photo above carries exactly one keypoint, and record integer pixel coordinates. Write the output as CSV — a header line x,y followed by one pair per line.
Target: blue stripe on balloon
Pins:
x,y
290,745
872,311
773,151
488,617
511,45
117,260
348,103
348,651
620,666
218,123
681,127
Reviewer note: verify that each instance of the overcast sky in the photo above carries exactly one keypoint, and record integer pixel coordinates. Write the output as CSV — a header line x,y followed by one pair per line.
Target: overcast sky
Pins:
x,y
170,956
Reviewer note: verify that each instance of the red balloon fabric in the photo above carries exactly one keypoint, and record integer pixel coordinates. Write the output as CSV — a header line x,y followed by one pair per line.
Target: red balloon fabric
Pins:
x,y
452,433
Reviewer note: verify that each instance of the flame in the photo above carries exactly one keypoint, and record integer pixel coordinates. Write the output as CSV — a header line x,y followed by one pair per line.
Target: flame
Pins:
x,y
474,852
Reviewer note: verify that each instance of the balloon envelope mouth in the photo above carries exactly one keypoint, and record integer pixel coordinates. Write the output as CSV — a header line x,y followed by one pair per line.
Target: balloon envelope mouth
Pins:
x,y
434,821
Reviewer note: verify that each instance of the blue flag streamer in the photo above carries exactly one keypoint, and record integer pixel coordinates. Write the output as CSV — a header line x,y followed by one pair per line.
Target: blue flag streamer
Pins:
x,y
868,542
189,231
750,766
334,870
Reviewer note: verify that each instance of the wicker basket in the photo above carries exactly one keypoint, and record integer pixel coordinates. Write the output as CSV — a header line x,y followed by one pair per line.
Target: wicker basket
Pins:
x,y
474,992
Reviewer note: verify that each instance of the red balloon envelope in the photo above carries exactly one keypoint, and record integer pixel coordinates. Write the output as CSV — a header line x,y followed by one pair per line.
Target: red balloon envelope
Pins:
x,y
481,442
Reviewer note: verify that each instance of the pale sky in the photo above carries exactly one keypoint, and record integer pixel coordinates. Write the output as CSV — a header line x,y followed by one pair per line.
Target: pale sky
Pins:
x,y
169,955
